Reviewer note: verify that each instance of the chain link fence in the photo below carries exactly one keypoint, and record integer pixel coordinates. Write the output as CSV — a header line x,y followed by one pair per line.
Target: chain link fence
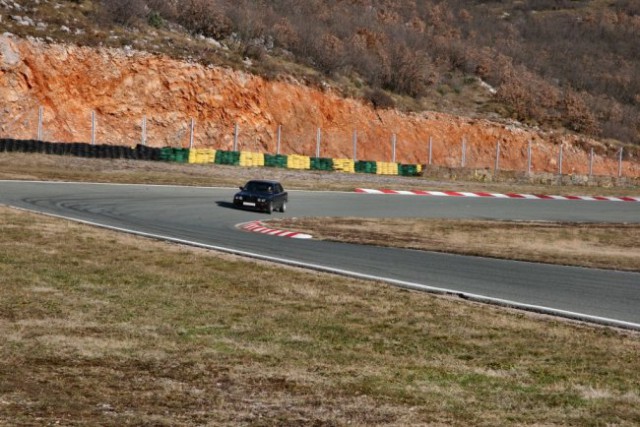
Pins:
x,y
463,157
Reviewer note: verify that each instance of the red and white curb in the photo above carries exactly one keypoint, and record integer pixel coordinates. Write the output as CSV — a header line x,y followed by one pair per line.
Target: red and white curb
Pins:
x,y
259,227
497,195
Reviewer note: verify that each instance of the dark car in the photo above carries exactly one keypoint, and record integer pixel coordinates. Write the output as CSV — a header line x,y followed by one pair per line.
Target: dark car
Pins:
x,y
263,195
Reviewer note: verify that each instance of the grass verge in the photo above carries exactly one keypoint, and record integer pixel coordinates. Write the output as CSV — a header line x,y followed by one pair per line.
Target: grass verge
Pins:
x,y
609,246
101,328
25,166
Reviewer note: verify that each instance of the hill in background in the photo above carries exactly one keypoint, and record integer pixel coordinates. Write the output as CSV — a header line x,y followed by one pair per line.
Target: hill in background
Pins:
x,y
547,63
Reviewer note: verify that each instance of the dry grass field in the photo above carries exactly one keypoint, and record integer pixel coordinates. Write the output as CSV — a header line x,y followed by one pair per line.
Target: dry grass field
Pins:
x,y
101,328
608,246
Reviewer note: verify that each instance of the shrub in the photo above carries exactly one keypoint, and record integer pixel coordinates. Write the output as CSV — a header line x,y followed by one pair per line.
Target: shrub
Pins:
x,y
124,12
204,17
379,99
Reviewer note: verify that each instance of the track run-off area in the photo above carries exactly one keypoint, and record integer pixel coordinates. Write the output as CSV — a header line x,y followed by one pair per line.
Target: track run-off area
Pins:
x,y
205,217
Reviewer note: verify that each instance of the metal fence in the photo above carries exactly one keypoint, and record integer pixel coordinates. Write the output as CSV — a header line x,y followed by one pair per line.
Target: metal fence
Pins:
x,y
43,125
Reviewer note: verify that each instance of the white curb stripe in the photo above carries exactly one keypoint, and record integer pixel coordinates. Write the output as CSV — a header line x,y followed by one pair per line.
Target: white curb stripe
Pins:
x,y
258,227
497,195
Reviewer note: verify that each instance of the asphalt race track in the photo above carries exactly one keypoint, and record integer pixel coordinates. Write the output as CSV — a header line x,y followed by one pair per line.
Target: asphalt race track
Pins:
x,y
204,217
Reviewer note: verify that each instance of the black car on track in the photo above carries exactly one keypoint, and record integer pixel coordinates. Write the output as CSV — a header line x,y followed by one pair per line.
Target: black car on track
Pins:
x,y
262,195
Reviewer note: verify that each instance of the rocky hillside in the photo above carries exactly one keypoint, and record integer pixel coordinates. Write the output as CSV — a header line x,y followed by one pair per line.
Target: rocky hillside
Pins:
x,y
123,86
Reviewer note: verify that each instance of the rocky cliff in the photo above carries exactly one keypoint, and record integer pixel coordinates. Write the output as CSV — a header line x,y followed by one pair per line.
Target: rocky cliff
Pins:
x,y
122,88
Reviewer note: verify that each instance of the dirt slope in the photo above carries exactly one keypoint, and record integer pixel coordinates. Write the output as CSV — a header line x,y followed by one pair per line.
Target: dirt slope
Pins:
x,y
122,87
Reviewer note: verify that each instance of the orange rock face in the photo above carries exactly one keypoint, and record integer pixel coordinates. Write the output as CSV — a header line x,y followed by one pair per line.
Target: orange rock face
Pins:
x,y
123,88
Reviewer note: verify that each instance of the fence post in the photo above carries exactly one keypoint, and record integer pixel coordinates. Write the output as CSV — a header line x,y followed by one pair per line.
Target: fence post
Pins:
x,y
393,148
529,159
464,153
93,128
430,149
279,139
591,163
144,130
235,137
318,137
355,145
191,135
620,163
40,120
560,162
497,165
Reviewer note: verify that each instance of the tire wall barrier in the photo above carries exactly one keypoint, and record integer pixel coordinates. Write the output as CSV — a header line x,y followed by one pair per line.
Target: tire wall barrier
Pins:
x,y
251,159
363,166
227,158
208,156
299,162
179,155
386,168
344,165
409,170
202,155
275,160
321,164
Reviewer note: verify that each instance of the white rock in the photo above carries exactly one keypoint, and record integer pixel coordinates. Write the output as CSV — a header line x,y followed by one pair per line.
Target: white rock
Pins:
x,y
213,42
10,57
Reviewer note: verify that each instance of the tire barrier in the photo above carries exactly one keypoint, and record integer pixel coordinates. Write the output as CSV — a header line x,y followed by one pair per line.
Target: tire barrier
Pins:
x,y
250,159
344,165
142,152
386,168
127,153
207,155
15,146
228,158
409,170
296,161
275,160
178,155
363,166
166,153
321,164
202,155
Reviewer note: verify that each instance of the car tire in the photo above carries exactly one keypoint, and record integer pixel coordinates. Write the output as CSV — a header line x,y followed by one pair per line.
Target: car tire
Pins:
x,y
283,207
270,208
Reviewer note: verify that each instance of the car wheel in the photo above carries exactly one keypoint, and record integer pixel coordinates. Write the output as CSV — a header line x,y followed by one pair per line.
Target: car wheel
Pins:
x,y
283,207
270,207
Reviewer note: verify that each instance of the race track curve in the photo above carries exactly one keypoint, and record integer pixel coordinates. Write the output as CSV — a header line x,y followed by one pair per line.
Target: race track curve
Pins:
x,y
204,217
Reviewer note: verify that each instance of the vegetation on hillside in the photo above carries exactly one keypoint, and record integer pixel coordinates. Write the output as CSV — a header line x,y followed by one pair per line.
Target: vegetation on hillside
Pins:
x,y
551,63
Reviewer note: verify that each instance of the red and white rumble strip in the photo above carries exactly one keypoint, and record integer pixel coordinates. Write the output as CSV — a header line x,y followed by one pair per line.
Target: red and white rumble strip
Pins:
x,y
259,227
497,195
